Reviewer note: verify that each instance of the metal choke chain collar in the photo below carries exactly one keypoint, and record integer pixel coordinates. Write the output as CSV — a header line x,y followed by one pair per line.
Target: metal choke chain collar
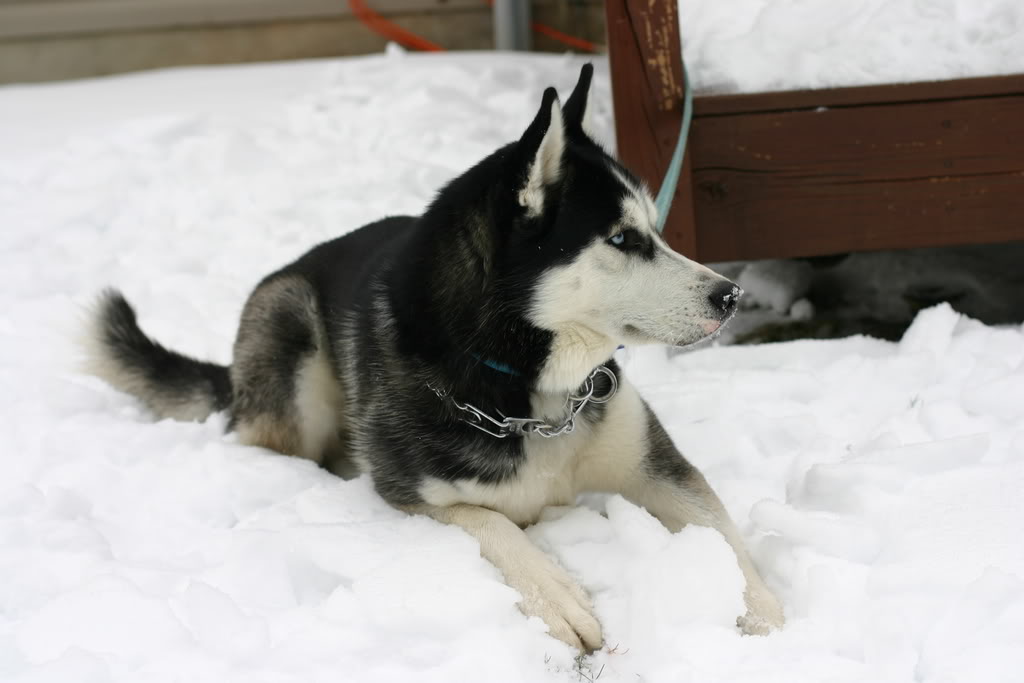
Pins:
x,y
524,426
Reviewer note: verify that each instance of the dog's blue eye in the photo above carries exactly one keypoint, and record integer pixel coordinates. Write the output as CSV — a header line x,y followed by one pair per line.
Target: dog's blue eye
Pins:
x,y
630,241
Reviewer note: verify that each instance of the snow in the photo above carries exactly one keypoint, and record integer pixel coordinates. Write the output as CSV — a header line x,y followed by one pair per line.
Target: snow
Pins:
x,y
877,484
764,45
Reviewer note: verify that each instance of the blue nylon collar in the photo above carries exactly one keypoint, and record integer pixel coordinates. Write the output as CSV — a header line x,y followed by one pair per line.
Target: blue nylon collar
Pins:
x,y
495,365
502,367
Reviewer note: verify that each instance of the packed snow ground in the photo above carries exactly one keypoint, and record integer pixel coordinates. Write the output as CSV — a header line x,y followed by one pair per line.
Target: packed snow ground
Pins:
x,y
878,484
760,45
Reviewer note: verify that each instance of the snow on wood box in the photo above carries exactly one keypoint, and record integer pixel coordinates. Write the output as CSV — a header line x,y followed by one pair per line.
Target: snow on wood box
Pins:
x,y
815,172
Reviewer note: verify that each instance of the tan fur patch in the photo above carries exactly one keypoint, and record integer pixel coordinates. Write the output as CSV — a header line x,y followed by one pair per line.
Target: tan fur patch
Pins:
x,y
319,404
267,431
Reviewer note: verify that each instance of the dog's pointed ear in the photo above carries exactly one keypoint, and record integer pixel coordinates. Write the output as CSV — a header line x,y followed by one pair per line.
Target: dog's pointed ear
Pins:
x,y
577,113
542,147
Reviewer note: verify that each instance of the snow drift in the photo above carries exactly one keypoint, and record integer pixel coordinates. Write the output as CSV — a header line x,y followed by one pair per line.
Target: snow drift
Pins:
x,y
877,484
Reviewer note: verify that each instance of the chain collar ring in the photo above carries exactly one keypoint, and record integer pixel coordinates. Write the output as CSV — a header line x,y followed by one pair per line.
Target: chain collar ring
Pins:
x,y
524,426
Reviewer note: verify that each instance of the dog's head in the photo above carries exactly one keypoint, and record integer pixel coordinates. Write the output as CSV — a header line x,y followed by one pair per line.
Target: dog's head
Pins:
x,y
567,237
608,276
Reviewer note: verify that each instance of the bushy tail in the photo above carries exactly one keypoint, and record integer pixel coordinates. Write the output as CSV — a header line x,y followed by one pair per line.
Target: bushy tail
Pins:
x,y
170,384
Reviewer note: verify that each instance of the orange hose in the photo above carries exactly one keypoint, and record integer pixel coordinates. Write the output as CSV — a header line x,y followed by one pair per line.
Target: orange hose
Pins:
x,y
379,24
555,34
382,26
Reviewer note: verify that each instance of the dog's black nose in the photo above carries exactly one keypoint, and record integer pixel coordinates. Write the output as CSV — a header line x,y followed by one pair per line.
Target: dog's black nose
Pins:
x,y
724,297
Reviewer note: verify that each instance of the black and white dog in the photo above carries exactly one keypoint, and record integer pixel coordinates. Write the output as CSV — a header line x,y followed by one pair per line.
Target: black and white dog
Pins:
x,y
463,358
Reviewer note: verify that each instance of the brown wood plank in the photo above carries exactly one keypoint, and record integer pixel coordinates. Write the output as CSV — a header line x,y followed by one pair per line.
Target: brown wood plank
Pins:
x,y
643,42
804,183
884,142
990,86
805,173
867,217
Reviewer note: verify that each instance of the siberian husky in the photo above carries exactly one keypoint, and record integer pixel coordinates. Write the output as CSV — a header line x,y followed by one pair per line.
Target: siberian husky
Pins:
x,y
463,358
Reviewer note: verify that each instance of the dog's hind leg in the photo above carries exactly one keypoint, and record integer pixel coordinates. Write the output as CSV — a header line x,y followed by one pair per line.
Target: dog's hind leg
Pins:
x,y
634,456
287,395
548,592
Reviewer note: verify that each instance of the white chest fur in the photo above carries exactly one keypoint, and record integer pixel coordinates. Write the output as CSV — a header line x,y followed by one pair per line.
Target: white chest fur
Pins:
x,y
546,477
555,470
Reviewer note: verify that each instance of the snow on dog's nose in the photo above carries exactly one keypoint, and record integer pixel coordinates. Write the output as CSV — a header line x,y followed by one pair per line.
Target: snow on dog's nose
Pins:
x,y
724,297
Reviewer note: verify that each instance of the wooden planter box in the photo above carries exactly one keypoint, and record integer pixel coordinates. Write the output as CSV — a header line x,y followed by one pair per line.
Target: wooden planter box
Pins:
x,y
817,172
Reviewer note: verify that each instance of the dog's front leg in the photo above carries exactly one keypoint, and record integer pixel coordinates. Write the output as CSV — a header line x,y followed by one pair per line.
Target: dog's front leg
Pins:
x,y
634,456
676,493
548,592
688,499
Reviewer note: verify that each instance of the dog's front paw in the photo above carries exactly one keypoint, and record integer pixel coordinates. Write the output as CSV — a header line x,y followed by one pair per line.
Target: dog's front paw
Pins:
x,y
549,593
764,613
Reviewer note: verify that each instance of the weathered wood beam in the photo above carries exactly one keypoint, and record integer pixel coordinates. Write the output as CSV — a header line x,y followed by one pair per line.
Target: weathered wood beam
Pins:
x,y
647,85
810,181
